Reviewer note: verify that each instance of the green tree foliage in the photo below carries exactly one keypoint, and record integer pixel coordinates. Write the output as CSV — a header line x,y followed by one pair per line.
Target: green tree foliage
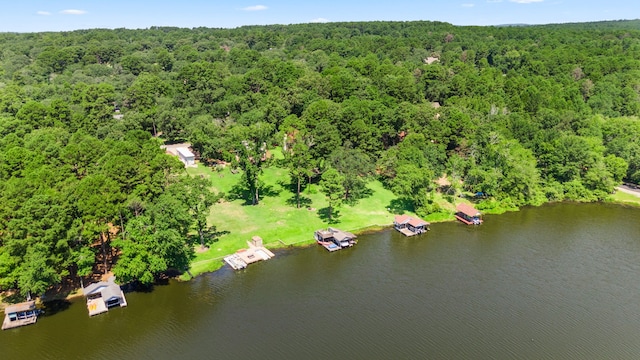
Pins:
x,y
332,186
523,114
250,144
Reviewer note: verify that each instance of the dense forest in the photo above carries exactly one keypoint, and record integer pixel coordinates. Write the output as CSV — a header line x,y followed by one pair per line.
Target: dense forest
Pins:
x,y
522,114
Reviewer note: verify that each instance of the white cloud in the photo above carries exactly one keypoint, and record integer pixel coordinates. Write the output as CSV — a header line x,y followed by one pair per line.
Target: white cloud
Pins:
x,y
43,13
320,20
73,12
494,1
468,5
255,8
526,1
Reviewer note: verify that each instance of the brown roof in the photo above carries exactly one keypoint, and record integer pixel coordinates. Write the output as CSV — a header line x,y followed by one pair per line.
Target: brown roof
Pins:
x,y
402,219
24,306
406,219
415,222
467,210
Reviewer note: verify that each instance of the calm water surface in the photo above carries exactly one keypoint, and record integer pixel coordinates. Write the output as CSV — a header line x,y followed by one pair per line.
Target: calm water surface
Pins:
x,y
556,282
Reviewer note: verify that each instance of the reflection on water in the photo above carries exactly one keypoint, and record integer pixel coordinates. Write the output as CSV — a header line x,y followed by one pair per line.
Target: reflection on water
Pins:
x,y
560,281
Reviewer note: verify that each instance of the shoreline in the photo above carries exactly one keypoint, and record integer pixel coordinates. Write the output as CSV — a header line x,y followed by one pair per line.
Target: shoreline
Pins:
x,y
77,293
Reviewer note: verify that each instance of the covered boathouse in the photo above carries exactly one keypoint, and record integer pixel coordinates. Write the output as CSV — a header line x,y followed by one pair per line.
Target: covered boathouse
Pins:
x,y
410,226
333,239
468,214
20,314
103,295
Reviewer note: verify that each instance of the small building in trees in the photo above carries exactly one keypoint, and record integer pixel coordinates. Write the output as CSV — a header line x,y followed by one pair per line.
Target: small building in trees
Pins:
x,y
410,226
186,156
183,153
103,295
20,314
468,214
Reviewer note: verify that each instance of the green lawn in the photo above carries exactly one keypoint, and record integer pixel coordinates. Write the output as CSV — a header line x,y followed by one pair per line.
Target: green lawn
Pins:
x,y
277,220
280,224
624,198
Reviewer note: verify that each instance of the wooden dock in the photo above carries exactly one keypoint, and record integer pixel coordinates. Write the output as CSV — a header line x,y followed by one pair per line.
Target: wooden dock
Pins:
x,y
20,315
243,257
334,239
410,226
329,245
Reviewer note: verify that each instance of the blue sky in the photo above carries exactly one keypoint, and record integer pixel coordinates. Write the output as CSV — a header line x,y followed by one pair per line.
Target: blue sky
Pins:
x,y
63,15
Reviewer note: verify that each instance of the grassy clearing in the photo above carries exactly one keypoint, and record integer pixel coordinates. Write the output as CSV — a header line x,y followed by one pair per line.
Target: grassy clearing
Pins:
x,y
277,220
624,198
280,224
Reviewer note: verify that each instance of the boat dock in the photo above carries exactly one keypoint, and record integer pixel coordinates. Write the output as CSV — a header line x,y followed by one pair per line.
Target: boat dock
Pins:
x,y
103,295
410,226
334,239
468,214
20,315
243,257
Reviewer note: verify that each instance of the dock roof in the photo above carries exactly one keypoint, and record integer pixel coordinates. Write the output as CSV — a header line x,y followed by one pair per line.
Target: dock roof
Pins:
x,y
23,306
416,222
467,210
413,221
107,289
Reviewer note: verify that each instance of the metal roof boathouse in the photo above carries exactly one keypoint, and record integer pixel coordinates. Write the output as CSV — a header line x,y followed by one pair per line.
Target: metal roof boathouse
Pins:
x,y
103,295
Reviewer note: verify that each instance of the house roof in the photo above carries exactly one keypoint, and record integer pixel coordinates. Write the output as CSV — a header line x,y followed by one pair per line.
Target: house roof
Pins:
x,y
23,306
467,210
184,152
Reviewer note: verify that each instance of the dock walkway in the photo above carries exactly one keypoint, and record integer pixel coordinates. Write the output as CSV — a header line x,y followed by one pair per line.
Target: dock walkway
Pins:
x,y
243,257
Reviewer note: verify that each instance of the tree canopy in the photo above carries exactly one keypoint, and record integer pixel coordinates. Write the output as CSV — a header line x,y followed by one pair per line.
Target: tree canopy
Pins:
x,y
523,114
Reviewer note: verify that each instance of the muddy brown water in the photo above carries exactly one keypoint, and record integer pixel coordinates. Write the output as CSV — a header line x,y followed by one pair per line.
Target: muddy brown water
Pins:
x,y
554,282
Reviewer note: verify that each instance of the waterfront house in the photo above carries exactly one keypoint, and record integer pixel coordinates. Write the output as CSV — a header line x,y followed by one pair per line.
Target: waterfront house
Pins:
x,y
409,225
334,239
21,314
468,214
103,295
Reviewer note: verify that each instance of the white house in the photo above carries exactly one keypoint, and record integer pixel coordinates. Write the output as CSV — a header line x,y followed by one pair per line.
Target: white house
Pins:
x,y
186,156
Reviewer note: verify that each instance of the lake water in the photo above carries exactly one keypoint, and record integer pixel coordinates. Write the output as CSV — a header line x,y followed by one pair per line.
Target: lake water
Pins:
x,y
555,282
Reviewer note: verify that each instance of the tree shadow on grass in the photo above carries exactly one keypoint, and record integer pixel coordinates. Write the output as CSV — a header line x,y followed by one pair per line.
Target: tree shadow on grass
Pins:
x,y
239,192
400,206
357,195
211,235
305,202
324,216
269,191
